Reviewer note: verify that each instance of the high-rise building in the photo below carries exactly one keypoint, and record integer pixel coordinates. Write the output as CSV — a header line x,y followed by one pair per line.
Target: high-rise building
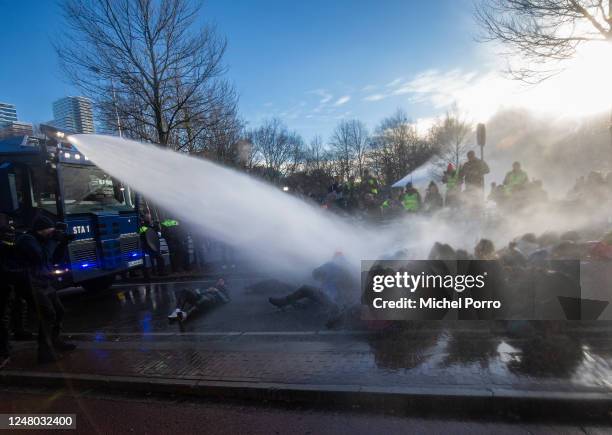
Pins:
x,y
74,114
8,114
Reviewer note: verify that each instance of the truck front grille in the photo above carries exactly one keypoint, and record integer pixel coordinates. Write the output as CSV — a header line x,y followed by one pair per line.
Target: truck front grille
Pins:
x,y
83,253
130,245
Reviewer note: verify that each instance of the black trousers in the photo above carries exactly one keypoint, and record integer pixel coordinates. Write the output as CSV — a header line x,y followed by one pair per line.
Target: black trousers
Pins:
x,y
50,313
311,293
5,295
19,313
14,292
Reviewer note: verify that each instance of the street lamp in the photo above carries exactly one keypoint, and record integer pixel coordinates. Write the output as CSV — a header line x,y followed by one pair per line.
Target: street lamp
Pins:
x,y
481,138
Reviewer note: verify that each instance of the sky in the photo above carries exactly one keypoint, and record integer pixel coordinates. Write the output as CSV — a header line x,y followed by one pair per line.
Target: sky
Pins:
x,y
315,63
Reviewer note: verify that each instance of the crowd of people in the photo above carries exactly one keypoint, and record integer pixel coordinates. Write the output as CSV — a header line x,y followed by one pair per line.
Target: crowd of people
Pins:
x,y
594,187
528,260
464,187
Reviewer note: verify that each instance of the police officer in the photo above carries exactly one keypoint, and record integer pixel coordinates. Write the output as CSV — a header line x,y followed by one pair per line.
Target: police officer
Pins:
x,y
411,200
150,242
13,290
6,290
516,179
37,251
171,231
370,184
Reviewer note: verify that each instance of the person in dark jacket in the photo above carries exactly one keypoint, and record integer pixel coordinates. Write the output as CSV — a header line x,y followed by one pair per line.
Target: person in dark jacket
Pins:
x,y
149,236
6,289
334,294
37,251
190,301
14,290
473,171
433,200
472,175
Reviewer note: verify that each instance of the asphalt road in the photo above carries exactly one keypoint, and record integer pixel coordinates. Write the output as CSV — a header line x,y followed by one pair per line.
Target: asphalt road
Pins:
x,y
101,413
129,310
143,308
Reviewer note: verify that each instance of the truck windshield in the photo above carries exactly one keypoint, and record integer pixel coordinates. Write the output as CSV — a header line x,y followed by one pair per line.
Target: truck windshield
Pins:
x,y
89,189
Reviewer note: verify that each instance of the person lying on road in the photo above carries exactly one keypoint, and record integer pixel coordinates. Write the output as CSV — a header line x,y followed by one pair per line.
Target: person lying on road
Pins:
x,y
191,301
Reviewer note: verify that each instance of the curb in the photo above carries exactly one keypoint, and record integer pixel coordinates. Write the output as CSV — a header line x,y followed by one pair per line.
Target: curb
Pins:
x,y
435,399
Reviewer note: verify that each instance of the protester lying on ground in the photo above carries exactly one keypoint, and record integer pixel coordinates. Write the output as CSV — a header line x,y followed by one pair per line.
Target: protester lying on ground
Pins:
x,y
191,301
334,293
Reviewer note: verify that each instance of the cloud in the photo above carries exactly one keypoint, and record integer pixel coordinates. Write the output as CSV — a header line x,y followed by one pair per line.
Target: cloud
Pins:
x,y
342,100
368,88
375,97
440,89
324,94
575,92
394,83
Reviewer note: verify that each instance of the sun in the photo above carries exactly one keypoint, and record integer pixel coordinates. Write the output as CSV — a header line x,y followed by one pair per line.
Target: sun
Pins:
x,y
583,87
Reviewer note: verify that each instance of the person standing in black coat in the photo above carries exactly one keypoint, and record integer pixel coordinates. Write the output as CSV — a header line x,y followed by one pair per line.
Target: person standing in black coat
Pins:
x,y
433,199
37,251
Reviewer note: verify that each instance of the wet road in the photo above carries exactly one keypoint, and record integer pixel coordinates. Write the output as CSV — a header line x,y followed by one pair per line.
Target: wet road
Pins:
x,y
124,333
143,308
573,352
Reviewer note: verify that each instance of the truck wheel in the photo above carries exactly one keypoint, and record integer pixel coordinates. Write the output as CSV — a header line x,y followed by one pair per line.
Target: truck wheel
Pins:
x,y
99,284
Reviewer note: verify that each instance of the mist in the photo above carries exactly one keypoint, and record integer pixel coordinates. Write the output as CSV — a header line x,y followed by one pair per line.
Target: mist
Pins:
x,y
287,236
556,150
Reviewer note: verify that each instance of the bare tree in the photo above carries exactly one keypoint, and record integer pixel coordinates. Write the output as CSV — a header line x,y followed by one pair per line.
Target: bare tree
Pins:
x,y
397,148
543,32
449,137
215,133
349,142
278,149
315,155
148,61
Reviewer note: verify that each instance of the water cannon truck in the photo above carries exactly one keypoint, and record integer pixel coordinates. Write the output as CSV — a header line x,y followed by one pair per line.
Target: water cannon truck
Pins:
x,y
46,175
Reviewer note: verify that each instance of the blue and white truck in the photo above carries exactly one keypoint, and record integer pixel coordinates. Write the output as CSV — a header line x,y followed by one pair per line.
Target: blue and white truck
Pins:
x,y
47,175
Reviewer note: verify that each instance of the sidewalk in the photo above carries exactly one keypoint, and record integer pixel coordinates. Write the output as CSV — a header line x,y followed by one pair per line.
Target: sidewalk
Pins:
x,y
339,367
